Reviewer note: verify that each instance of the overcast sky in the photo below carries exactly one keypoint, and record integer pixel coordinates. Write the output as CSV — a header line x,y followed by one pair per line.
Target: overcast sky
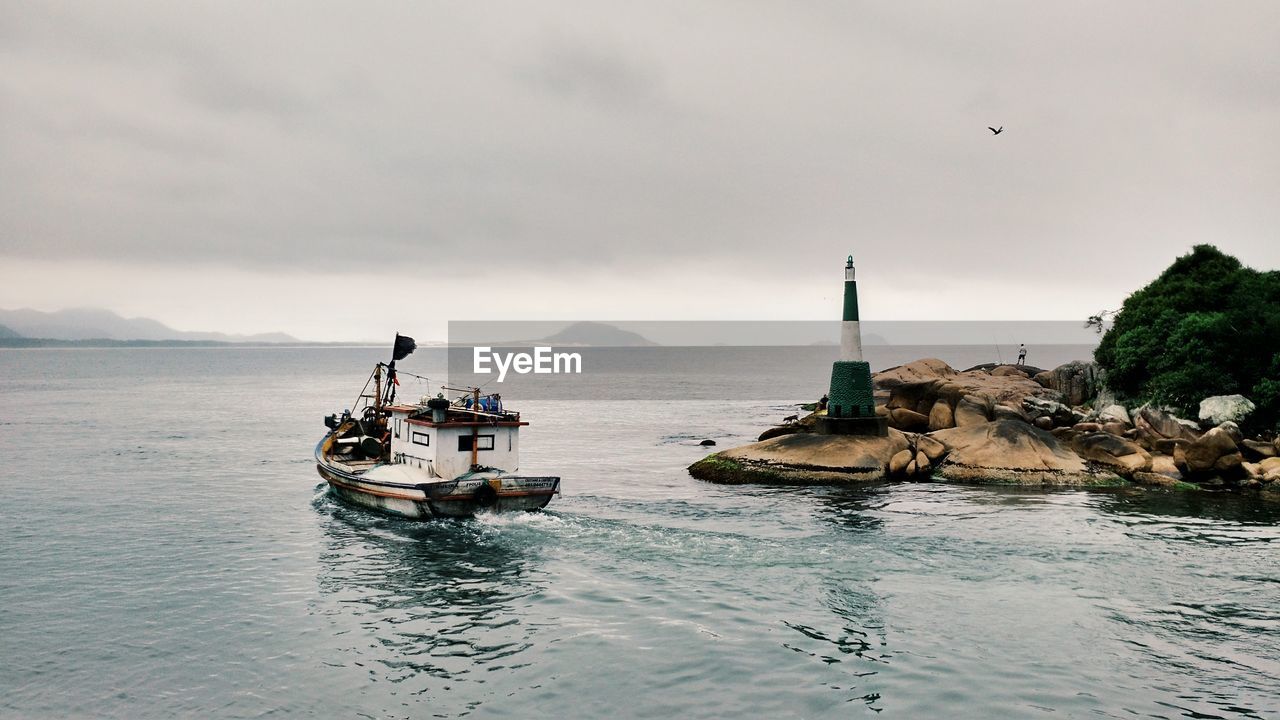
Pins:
x,y
340,171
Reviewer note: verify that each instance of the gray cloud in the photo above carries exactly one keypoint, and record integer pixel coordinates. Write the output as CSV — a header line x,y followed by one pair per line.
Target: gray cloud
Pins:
x,y
573,69
766,137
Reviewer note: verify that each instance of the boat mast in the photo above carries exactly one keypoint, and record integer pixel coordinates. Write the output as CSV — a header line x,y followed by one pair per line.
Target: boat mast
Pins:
x,y
475,429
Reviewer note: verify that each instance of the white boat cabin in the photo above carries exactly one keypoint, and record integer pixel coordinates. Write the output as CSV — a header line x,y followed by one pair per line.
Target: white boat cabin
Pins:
x,y
446,443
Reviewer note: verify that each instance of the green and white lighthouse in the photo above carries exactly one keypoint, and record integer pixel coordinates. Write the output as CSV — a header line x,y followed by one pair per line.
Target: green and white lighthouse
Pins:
x,y
851,405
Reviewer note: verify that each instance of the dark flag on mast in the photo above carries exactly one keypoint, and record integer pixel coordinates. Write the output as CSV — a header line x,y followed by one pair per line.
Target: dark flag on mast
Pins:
x,y
404,346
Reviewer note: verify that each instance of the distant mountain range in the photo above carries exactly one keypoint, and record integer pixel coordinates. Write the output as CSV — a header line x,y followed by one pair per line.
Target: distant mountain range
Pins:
x,y
99,324
594,334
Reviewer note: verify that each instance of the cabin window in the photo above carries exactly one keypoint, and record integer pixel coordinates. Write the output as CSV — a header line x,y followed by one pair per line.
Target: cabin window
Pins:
x,y
398,428
484,442
421,438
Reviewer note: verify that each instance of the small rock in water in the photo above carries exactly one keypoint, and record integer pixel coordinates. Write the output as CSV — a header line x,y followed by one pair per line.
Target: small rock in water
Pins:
x,y
707,443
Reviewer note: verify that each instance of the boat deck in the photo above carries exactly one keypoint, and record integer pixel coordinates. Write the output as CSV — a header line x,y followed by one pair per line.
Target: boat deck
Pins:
x,y
353,466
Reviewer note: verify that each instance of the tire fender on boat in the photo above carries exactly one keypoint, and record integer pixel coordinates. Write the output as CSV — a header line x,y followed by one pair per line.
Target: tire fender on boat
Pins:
x,y
485,495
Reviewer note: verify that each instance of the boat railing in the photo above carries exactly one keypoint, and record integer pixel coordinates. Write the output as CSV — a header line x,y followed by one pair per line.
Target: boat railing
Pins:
x,y
504,415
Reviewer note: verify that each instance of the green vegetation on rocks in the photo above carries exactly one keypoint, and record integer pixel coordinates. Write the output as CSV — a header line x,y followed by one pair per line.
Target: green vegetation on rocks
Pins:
x,y
1207,326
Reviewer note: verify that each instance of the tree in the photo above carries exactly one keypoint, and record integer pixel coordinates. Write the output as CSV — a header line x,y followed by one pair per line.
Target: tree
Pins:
x,y
1207,326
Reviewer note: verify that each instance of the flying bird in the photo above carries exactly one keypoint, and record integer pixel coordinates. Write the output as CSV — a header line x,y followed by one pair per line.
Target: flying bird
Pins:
x,y
995,131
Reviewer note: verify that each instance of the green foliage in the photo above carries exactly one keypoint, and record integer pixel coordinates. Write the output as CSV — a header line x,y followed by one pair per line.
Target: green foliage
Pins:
x,y
1207,326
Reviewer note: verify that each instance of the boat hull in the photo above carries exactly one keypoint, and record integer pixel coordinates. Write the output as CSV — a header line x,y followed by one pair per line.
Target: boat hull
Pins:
x,y
463,497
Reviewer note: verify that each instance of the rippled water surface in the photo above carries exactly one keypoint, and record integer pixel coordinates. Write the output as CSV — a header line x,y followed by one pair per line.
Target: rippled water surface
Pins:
x,y
168,551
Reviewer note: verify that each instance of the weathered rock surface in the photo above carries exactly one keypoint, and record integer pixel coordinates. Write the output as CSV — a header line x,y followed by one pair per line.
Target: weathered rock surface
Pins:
x,y
1007,370
1120,455
900,460
780,430
941,416
1258,450
1155,424
1008,412
918,371
1115,413
1160,480
1168,446
1115,428
948,398
972,410
1225,408
1214,452
904,419
804,459
1164,465
931,447
1007,451
908,464
1077,381
1270,470
1058,414
1232,429
988,425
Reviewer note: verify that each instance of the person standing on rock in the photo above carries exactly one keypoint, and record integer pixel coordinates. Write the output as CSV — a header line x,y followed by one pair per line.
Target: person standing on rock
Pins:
x,y
1022,354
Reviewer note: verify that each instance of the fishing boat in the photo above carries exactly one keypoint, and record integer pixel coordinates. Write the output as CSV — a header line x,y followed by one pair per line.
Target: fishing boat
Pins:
x,y
438,457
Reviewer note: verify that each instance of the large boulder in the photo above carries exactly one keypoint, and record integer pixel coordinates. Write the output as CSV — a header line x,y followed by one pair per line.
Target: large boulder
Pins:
x,y
1008,451
912,372
1233,430
1115,428
909,463
1225,408
780,430
915,396
1058,414
933,449
904,419
1155,424
972,410
1120,455
804,459
1214,453
1270,470
1115,413
1077,381
1007,370
1258,450
921,385
1156,479
941,416
1164,465
1008,412
792,425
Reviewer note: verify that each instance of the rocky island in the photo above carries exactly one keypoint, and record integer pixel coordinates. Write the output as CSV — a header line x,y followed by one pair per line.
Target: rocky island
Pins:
x,y
1207,323
1011,425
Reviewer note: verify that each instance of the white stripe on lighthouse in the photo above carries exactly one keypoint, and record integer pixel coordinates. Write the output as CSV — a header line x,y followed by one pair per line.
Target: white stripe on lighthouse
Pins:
x,y
850,340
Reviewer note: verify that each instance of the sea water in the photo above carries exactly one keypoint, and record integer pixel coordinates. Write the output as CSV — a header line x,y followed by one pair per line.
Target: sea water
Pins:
x,y
167,550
